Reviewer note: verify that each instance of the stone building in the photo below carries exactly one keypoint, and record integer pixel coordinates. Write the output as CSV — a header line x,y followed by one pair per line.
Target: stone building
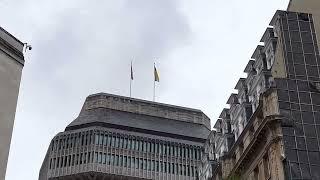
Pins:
x,y
275,116
117,137
11,64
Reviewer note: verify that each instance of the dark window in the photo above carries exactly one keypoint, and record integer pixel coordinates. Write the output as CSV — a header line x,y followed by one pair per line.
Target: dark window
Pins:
x,y
305,171
296,47
305,97
315,172
303,17
298,58
303,157
293,25
304,26
300,69
306,37
310,59
296,116
312,144
293,96
303,85
308,48
306,107
314,157
298,130
315,98
307,117
317,118
295,36
283,95
295,171
289,141
301,143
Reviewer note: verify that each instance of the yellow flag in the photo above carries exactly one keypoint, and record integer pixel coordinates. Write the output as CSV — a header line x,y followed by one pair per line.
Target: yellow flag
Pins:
x,y
156,75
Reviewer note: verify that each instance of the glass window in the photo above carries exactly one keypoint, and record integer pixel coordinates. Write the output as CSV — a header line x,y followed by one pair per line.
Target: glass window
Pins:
x,y
120,161
305,98
125,143
165,167
117,142
113,141
121,142
160,148
101,139
310,130
157,166
112,161
305,171
312,144
108,159
308,48
109,140
140,146
127,161
153,165
117,160
129,143
149,165
137,163
144,146
133,144
144,164
156,147
97,139
293,25
307,117
152,147
149,146
295,170
133,162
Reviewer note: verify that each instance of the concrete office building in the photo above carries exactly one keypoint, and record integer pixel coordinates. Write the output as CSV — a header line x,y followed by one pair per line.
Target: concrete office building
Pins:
x,y
117,137
11,64
275,116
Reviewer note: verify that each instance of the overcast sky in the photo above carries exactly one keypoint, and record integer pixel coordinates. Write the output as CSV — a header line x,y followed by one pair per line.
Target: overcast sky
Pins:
x,y
81,47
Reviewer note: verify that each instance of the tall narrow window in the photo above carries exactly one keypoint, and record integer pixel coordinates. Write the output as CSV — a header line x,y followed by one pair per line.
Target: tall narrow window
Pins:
x,y
96,139
152,147
104,158
121,142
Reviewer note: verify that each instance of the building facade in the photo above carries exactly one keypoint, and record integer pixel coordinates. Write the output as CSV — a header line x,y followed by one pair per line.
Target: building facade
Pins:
x,y
117,137
11,64
275,116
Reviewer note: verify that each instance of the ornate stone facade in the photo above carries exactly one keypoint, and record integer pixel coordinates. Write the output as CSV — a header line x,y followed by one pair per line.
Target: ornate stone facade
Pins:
x,y
275,116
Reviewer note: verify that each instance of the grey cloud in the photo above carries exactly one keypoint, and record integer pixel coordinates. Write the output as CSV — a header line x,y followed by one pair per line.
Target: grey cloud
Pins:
x,y
80,48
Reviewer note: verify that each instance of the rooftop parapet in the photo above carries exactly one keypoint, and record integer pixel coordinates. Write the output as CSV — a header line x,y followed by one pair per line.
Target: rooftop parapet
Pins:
x,y
12,43
138,106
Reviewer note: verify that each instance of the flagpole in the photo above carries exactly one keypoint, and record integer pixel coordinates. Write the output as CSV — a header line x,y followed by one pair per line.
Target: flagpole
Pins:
x,y
130,86
131,77
154,91
154,83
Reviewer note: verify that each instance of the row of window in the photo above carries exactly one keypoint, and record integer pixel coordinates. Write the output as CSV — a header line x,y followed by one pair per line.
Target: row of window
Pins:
x,y
137,144
123,161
